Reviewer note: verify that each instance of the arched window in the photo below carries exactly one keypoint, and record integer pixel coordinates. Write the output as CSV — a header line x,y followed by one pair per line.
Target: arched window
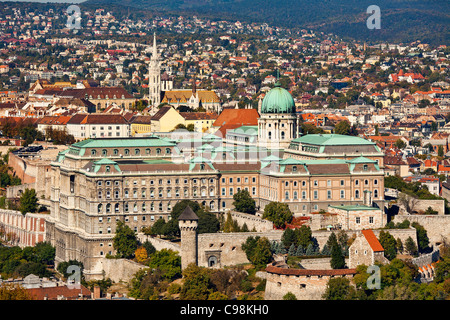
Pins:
x,y
160,206
147,151
104,152
137,152
357,194
93,152
116,208
108,208
100,208
168,151
127,152
211,205
158,151
294,168
375,193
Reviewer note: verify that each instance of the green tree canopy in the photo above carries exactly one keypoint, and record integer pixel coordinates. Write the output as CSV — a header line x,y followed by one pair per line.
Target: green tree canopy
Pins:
x,y
279,213
125,242
28,201
243,202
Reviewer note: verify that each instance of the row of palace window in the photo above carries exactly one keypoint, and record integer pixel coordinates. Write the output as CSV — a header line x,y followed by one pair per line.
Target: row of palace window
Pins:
x,y
136,208
341,183
137,151
315,182
143,193
329,194
108,183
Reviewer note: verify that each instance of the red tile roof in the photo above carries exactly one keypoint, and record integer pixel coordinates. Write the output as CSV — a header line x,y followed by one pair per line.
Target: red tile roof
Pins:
x,y
372,240
52,293
248,117
310,272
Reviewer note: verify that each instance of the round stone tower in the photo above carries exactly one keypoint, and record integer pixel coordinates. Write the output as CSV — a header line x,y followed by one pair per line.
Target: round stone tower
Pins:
x,y
188,223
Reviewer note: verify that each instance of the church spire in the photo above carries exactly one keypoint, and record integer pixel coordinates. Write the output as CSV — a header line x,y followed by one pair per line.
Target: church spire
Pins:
x,y
155,51
154,76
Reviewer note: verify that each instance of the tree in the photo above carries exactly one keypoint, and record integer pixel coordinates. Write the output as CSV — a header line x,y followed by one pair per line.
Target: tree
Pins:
x,y
279,213
141,254
168,261
44,252
289,237
305,237
258,251
337,257
339,289
197,283
389,244
422,238
289,296
343,127
243,202
410,246
28,201
400,144
409,202
440,151
125,241
14,292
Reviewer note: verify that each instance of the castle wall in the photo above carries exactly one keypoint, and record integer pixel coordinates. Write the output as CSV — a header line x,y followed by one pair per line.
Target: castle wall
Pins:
x,y
24,230
437,226
118,269
252,221
226,247
160,244
304,284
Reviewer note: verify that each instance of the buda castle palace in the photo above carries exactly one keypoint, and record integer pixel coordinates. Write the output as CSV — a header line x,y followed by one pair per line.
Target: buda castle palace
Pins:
x,y
137,180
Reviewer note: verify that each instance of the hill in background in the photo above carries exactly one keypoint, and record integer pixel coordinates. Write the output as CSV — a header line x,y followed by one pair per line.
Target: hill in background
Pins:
x,y
401,20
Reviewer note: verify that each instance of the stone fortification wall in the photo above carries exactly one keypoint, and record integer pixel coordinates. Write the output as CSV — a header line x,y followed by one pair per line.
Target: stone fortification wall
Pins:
x,y
303,283
437,226
160,244
226,247
22,230
119,270
252,221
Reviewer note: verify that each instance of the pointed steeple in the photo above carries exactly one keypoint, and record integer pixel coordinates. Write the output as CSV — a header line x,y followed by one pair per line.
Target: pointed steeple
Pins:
x,y
155,51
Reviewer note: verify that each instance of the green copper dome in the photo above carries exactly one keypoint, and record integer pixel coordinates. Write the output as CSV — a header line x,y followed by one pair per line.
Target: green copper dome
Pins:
x,y
278,100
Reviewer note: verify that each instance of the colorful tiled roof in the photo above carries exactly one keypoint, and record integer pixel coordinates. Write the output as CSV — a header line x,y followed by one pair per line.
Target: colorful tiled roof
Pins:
x,y
372,240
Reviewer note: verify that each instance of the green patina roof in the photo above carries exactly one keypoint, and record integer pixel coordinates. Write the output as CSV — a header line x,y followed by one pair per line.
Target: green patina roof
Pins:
x,y
62,155
278,100
123,142
361,159
271,158
195,160
332,139
251,130
105,161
